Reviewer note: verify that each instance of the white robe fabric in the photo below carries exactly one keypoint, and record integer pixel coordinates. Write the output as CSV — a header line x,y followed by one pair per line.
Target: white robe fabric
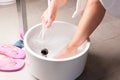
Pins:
x,y
79,7
111,6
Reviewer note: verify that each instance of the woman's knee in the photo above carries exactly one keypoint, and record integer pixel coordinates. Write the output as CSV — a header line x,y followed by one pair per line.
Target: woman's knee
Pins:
x,y
93,2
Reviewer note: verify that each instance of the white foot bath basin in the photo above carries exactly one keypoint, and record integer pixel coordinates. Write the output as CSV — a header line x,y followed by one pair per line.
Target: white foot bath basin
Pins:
x,y
57,37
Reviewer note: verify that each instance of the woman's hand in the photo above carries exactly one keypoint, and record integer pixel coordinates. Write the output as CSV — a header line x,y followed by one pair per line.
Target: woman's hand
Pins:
x,y
50,14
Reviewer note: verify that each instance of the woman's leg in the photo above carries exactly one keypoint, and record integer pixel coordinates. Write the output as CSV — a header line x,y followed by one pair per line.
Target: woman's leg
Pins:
x,y
91,18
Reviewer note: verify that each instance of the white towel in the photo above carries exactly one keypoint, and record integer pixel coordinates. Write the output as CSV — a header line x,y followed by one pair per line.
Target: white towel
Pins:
x,y
7,2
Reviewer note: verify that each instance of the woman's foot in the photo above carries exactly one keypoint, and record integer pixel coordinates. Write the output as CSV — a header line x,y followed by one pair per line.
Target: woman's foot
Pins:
x,y
66,52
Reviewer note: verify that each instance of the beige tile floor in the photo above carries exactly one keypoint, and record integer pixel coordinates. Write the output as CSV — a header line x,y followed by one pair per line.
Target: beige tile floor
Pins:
x,y
104,54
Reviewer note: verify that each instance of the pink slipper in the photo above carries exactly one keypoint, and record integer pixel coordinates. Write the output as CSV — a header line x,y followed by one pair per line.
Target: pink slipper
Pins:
x,y
12,51
10,65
